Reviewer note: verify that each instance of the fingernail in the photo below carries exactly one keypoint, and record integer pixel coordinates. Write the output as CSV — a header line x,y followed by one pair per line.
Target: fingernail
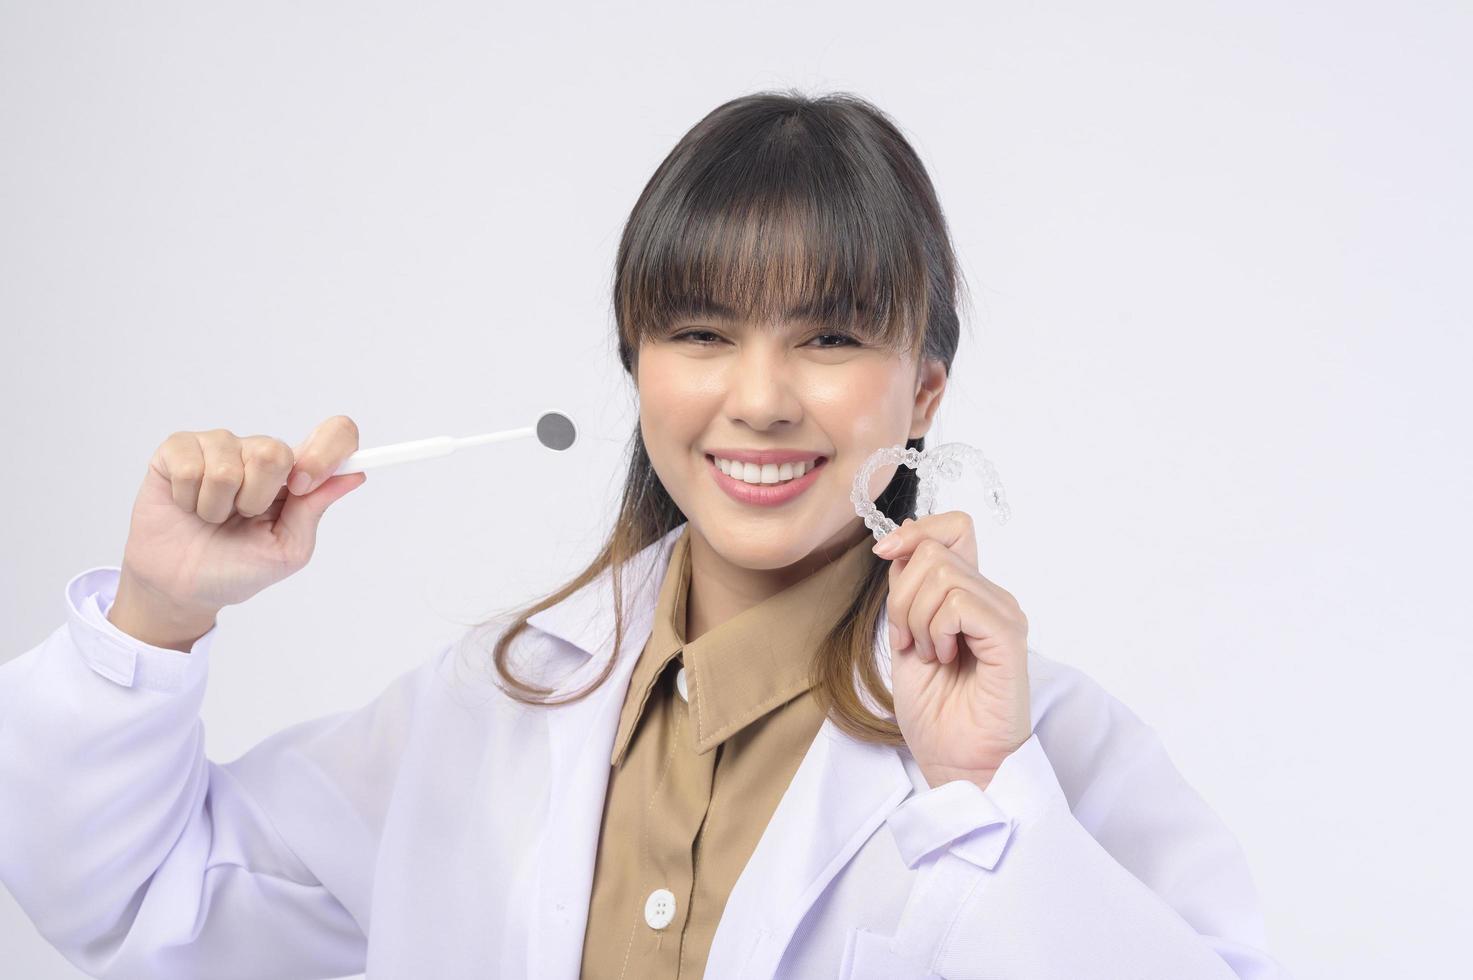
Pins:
x,y
886,545
299,482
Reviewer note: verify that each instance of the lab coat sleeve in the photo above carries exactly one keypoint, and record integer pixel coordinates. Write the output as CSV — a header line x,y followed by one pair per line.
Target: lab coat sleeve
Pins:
x,y
1138,880
136,856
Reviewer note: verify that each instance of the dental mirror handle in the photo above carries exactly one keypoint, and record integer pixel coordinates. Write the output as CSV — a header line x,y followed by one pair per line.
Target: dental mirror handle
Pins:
x,y
553,429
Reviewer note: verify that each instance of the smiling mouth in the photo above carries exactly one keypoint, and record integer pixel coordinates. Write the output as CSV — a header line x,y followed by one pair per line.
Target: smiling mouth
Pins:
x,y
767,475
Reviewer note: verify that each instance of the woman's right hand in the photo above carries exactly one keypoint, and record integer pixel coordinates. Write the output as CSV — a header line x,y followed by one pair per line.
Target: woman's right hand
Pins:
x,y
219,518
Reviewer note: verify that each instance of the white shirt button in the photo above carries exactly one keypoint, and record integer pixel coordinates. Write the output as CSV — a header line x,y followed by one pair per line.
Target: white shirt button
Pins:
x,y
659,908
680,685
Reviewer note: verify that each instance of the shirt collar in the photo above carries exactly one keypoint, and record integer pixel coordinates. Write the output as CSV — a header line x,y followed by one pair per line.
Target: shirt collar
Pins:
x,y
753,663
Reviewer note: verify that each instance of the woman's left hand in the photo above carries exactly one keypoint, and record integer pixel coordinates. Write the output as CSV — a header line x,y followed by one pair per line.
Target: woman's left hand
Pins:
x,y
959,652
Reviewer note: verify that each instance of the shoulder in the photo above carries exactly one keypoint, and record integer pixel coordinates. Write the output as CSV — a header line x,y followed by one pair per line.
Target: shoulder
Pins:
x,y
465,671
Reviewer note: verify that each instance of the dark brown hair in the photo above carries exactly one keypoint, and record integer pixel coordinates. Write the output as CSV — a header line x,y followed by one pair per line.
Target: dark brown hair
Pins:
x,y
778,205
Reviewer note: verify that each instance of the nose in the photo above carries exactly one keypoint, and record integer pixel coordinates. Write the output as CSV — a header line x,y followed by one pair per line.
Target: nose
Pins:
x,y
760,387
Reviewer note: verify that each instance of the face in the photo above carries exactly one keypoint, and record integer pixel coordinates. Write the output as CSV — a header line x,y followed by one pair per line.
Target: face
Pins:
x,y
714,390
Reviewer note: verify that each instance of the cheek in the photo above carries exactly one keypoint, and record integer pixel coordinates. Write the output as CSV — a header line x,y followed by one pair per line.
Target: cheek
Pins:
x,y
669,380
868,407
674,403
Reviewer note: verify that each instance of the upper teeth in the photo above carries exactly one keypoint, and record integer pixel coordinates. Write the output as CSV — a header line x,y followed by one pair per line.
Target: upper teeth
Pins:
x,y
765,473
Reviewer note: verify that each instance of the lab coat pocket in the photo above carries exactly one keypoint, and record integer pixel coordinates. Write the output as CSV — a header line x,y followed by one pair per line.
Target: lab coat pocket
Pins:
x,y
867,956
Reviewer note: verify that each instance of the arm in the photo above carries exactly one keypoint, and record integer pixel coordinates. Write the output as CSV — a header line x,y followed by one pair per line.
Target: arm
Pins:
x,y
1137,879
135,855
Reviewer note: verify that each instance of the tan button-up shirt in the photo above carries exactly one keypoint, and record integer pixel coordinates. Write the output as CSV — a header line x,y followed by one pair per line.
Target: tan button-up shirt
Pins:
x,y
696,777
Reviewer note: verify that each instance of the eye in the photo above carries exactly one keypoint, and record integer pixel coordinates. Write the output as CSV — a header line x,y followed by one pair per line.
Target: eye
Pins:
x,y
691,335
846,340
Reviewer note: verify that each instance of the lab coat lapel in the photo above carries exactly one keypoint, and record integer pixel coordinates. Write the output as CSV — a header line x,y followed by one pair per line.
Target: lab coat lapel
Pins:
x,y
841,793
843,790
580,738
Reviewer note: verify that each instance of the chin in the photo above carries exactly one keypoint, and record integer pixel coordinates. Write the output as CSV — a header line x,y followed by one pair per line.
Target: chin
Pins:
x,y
766,549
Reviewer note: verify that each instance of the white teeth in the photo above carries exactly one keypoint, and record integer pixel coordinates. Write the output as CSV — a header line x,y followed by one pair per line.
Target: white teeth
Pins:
x,y
767,473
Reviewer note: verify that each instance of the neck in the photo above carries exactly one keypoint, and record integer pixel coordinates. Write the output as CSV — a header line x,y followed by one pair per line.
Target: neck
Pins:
x,y
721,589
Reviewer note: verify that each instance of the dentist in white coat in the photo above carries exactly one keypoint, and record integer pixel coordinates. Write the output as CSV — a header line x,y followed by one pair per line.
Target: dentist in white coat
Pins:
x,y
1030,828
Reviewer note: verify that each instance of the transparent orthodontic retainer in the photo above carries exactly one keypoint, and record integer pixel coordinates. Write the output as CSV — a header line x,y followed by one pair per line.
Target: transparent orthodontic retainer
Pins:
x,y
932,465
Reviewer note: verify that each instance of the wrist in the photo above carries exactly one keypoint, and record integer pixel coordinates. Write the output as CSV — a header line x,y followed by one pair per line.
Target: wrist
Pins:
x,y
939,775
150,618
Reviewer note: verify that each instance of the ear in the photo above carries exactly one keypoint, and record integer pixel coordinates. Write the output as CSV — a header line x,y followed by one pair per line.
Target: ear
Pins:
x,y
930,384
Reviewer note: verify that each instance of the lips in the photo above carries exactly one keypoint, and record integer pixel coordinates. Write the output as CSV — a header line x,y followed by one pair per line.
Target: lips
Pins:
x,y
765,494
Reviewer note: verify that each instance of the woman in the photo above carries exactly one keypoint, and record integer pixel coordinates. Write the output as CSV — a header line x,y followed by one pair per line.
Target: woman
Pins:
x,y
741,743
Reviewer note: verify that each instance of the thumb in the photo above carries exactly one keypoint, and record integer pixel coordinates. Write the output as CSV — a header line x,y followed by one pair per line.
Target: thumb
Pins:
x,y
301,515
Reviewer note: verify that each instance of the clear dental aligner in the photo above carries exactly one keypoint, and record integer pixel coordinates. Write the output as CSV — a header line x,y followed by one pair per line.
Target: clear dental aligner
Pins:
x,y
943,462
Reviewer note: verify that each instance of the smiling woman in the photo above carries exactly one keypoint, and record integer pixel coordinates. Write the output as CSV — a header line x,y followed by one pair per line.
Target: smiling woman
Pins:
x,y
795,756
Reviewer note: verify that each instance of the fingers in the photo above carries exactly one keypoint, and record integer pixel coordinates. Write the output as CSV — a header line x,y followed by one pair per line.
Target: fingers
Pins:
x,y
931,558
223,474
215,473
972,617
917,589
181,459
953,528
923,621
266,462
322,452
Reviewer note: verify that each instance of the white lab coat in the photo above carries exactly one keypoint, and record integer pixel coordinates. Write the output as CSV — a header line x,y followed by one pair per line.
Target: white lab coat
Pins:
x,y
444,831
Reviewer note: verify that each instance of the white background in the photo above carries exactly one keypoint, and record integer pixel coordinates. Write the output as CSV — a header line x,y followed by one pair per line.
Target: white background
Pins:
x,y
1218,352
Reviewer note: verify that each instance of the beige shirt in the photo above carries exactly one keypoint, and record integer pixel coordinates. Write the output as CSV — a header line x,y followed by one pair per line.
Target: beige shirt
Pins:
x,y
695,781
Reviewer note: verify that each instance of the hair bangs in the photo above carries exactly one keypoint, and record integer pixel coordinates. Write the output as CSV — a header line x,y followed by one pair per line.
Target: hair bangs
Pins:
x,y
771,230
